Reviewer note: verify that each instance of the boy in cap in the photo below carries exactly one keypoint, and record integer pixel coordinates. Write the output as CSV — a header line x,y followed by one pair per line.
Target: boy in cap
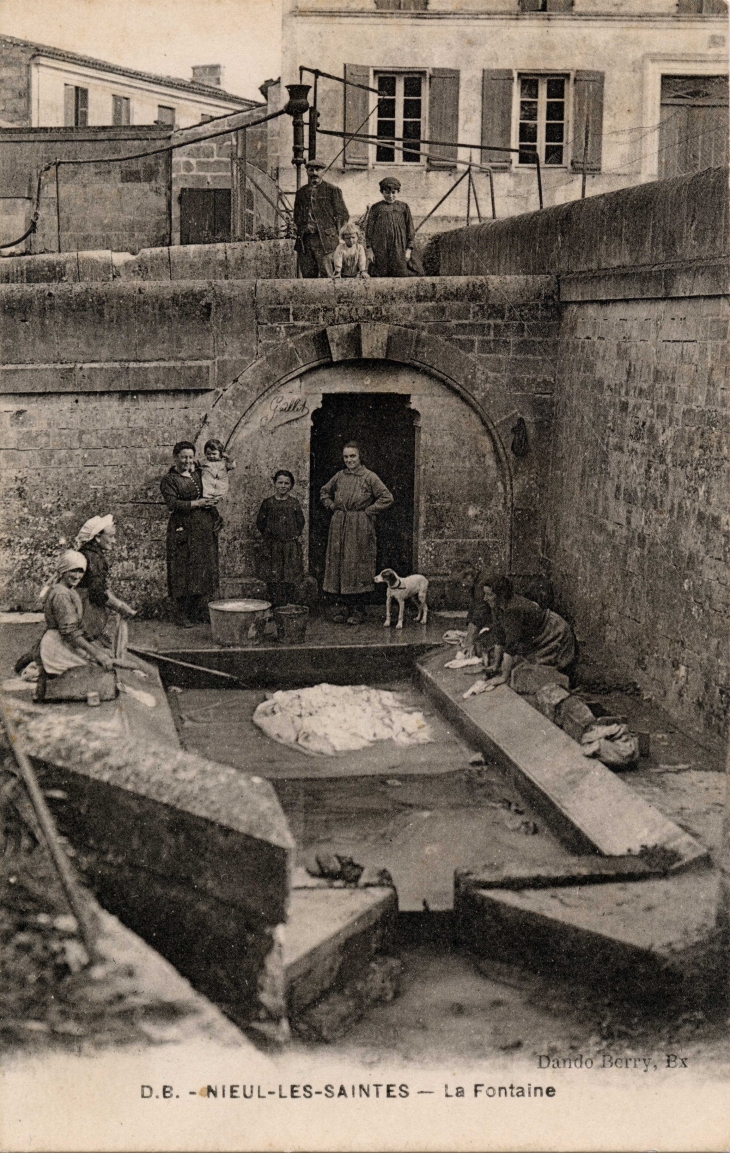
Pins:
x,y
389,232
319,214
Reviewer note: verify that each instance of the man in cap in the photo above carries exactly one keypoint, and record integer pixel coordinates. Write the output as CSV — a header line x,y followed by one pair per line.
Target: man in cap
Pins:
x,y
319,214
389,232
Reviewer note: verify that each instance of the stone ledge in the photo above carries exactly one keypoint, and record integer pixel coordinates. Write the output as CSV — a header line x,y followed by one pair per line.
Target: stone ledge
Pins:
x,y
651,939
707,278
589,807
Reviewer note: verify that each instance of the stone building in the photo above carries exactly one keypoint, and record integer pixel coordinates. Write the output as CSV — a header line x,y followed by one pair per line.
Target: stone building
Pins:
x,y
632,90
45,87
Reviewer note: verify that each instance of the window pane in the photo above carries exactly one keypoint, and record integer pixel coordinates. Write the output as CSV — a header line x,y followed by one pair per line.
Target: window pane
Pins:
x,y
555,110
528,133
386,85
411,109
553,154
529,89
384,155
528,110
554,133
412,86
555,89
386,128
386,108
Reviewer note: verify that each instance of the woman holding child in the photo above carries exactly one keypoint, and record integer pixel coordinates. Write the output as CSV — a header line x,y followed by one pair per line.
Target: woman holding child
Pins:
x,y
192,537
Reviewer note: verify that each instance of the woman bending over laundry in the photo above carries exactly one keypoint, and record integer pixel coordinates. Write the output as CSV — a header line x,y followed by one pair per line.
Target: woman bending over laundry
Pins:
x,y
524,632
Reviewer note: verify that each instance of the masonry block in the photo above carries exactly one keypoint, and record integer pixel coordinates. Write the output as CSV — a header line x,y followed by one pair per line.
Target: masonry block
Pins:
x,y
194,857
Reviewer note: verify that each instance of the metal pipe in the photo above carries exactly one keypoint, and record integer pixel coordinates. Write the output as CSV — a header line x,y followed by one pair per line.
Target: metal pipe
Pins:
x,y
538,171
339,79
313,117
243,181
440,202
58,211
476,202
403,139
468,197
491,193
585,161
48,825
296,106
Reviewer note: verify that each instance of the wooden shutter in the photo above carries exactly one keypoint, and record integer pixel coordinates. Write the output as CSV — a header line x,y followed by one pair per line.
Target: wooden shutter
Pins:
x,y
357,106
587,109
443,116
497,90
69,105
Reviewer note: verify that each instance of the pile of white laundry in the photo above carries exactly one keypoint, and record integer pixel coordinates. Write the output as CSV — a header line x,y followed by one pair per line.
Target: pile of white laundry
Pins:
x,y
331,719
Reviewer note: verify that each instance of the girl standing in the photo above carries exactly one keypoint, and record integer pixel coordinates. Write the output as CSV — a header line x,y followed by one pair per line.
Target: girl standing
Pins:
x,y
281,522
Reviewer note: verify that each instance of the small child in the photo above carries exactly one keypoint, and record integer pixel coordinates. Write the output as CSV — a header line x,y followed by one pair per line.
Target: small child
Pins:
x,y
350,259
214,470
214,475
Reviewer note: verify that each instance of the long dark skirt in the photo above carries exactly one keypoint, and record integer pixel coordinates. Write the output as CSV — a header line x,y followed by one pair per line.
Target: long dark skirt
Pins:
x,y
192,554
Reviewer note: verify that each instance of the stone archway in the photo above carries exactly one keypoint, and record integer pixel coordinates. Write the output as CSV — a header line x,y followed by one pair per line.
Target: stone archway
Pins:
x,y
464,483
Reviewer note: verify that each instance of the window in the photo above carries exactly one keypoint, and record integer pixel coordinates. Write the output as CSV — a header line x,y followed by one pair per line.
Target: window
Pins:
x,y
401,5
121,110
542,119
400,113
76,106
165,115
693,125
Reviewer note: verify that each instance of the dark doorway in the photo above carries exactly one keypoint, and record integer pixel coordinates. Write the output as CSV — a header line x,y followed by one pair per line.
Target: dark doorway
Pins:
x,y
205,215
384,426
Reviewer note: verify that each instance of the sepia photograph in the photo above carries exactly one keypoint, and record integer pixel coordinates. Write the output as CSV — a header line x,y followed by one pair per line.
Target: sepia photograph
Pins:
x,y
364,670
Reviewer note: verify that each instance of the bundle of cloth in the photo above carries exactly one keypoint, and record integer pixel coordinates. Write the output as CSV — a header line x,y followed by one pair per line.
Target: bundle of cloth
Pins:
x,y
326,720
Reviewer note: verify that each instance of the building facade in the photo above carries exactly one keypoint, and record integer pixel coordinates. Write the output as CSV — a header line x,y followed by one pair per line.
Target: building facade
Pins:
x,y
44,87
627,91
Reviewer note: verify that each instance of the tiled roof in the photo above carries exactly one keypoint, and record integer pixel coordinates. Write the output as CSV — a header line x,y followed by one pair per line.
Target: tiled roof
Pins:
x,y
190,87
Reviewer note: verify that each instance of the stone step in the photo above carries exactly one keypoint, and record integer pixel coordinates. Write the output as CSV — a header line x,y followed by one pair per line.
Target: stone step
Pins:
x,y
331,935
589,807
647,939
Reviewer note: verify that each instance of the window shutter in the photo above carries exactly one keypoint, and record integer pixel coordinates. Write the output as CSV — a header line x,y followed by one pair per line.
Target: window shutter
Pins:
x,y
587,110
443,116
357,106
69,105
497,89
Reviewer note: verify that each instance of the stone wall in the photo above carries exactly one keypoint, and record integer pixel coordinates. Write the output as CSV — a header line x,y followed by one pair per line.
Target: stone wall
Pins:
x,y
123,206
638,525
100,379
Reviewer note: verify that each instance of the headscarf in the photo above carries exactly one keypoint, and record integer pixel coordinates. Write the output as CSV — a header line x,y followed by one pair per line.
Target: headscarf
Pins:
x,y
67,562
91,529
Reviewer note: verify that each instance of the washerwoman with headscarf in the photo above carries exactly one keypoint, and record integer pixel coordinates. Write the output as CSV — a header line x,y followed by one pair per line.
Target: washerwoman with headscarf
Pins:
x,y
102,608
63,645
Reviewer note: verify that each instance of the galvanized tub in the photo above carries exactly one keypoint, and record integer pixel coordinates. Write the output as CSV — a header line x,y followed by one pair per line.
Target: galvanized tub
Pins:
x,y
240,623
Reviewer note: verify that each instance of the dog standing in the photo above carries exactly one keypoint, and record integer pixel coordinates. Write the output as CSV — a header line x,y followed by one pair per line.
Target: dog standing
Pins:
x,y
402,589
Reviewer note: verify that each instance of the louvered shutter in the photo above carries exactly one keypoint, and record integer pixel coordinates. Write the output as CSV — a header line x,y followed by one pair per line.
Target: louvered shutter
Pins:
x,y
69,105
497,95
443,117
357,106
587,109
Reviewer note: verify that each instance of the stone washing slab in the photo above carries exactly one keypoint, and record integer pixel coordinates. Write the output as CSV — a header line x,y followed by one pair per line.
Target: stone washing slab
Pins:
x,y
586,870
653,939
194,856
331,935
590,807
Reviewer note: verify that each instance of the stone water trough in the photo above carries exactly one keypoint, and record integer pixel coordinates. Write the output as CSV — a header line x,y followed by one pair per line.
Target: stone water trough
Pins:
x,y
198,858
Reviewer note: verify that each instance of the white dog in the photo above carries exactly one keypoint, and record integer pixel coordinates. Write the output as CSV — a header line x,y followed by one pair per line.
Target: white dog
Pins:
x,y
403,589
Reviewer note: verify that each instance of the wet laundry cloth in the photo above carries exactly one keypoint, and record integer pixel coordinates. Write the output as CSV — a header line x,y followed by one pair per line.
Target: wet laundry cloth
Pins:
x,y
331,719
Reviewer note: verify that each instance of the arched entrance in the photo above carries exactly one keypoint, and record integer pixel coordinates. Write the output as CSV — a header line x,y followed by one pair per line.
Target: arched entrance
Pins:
x,y
454,499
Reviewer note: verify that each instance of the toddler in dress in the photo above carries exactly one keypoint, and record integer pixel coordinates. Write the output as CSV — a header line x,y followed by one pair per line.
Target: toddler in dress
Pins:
x,y
214,475
350,259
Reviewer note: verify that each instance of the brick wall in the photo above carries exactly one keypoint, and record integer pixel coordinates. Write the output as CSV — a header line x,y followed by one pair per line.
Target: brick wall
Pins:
x,y
101,378
122,206
639,532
